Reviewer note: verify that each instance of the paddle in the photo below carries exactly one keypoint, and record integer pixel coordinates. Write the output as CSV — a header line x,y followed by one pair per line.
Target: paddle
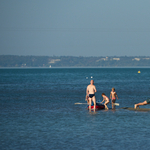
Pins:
x,y
79,103
117,104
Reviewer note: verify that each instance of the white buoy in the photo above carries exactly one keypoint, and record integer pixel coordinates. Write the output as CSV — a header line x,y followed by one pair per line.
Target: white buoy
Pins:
x,y
86,77
91,77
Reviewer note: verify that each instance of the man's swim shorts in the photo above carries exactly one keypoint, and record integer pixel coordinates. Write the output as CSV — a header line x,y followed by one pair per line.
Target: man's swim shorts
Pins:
x,y
91,95
148,101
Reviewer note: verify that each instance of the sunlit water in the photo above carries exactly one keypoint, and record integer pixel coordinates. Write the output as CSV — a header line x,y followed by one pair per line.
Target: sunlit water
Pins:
x,y
37,109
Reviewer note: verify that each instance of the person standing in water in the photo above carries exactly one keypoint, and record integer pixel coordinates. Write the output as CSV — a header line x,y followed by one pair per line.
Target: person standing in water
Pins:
x,y
91,90
113,96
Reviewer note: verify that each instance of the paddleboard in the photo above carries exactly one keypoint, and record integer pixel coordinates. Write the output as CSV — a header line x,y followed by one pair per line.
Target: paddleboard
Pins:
x,y
137,109
98,106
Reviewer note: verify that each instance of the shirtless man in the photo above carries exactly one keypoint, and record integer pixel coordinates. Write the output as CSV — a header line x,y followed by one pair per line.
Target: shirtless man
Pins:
x,y
91,89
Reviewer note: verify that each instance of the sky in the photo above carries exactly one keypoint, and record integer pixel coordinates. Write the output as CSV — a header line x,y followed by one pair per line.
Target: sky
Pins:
x,y
75,27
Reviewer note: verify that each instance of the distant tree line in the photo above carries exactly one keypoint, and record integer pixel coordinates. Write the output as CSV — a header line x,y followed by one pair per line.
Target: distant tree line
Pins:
x,y
72,61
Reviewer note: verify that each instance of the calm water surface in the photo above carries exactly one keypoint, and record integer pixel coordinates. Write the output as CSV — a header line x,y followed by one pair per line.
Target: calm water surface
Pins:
x,y
37,109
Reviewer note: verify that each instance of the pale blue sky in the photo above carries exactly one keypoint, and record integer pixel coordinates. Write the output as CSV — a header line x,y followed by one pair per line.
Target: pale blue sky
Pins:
x,y
75,27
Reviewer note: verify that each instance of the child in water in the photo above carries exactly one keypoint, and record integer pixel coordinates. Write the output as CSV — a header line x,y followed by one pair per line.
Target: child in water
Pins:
x,y
87,98
113,96
106,99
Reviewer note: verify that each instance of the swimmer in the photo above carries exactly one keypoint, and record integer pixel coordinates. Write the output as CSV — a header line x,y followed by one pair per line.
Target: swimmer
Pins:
x,y
106,99
91,90
113,96
142,103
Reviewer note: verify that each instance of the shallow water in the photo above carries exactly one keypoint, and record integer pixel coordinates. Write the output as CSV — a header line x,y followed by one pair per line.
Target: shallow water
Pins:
x,y
37,109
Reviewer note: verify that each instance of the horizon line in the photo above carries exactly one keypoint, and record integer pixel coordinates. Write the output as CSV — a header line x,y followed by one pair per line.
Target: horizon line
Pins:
x,y
68,56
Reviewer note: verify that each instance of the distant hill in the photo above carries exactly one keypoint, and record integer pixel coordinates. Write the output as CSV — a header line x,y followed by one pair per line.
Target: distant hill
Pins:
x,y
71,61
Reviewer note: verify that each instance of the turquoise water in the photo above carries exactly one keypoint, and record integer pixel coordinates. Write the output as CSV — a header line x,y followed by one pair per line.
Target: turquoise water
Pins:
x,y
37,109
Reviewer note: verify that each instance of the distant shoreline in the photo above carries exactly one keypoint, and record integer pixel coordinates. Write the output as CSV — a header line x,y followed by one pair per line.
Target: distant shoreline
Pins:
x,y
13,61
